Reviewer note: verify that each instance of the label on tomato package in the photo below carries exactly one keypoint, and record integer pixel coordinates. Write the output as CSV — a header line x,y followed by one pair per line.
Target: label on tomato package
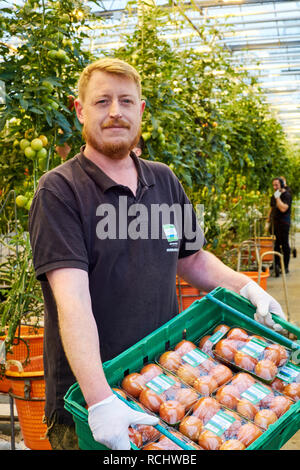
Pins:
x,y
288,372
255,393
254,348
217,336
219,423
195,357
160,383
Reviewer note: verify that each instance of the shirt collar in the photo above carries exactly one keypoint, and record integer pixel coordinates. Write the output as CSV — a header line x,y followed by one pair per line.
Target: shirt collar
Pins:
x,y
145,174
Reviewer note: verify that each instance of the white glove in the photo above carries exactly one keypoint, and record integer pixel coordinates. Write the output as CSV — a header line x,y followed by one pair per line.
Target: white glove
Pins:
x,y
109,421
277,194
264,304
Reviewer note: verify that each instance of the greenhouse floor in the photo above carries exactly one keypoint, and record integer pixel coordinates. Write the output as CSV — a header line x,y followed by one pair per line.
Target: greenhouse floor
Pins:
x,y
275,287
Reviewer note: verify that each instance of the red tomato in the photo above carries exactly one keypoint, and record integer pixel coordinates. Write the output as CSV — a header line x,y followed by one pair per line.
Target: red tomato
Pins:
x,y
238,334
171,411
210,441
148,433
277,385
191,426
247,409
149,371
187,397
184,346
264,418
225,349
221,374
248,433
135,437
280,351
266,369
280,405
205,385
188,373
206,408
244,361
242,381
205,344
232,444
228,396
167,444
150,400
223,328
171,360
293,391
133,384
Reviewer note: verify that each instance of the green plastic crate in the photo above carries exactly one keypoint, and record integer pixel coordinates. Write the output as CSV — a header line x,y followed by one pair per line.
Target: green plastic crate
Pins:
x,y
220,306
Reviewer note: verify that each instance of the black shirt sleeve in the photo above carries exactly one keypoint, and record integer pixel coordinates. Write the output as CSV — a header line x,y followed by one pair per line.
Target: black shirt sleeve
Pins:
x,y
56,234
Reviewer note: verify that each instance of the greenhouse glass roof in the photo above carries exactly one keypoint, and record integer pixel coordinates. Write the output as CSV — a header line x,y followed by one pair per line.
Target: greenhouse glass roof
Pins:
x,y
263,35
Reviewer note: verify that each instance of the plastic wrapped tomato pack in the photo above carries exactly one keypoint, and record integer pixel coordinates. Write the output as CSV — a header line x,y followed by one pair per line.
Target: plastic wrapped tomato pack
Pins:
x,y
287,381
160,392
214,427
254,400
195,367
164,443
147,437
207,342
252,353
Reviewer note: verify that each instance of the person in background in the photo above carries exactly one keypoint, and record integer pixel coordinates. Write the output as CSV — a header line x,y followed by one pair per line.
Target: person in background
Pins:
x,y
280,220
286,187
105,289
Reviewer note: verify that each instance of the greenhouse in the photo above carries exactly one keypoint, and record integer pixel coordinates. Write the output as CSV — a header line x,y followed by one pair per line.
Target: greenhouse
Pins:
x,y
149,227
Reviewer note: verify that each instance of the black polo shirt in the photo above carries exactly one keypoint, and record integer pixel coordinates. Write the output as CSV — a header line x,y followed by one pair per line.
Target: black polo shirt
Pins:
x,y
79,218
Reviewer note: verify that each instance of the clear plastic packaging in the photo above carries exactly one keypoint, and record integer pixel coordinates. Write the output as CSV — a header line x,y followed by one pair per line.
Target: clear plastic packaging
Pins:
x,y
195,367
160,392
287,381
214,427
164,443
207,342
143,435
253,400
251,353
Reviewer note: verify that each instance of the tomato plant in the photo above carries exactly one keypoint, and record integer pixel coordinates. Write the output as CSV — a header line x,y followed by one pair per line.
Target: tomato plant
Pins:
x,y
40,69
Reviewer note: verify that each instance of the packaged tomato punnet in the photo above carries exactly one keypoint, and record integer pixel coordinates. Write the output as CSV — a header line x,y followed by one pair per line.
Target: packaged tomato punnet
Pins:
x,y
147,437
207,342
254,400
160,392
252,353
164,443
195,367
214,427
287,381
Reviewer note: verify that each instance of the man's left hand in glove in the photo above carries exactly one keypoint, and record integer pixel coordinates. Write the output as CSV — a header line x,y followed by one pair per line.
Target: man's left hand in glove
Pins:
x,y
265,305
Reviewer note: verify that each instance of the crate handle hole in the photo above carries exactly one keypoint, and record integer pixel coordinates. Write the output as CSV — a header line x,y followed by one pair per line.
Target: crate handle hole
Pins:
x,y
167,345
145,360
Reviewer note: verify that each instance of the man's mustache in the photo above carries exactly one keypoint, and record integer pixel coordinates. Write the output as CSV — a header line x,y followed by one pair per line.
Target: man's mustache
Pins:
x,y
115,123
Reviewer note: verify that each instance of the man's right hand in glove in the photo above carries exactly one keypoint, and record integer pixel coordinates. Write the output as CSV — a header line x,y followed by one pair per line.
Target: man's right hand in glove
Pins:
x,y
109,421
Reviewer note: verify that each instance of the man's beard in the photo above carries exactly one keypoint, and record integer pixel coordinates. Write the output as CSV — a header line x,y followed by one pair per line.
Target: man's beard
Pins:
x,y
114,150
